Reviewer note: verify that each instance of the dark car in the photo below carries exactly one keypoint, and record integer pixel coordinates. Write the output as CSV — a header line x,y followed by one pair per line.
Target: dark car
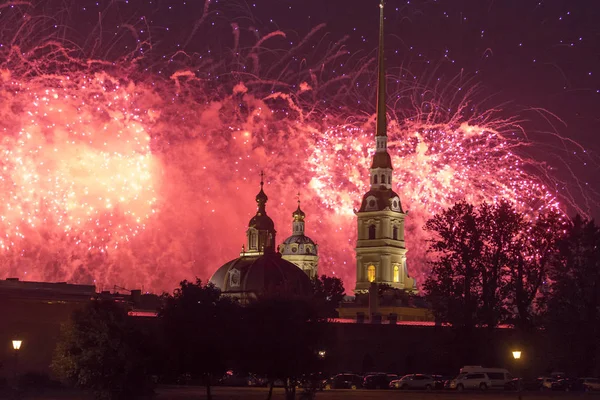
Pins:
x,y
343,381
414,381
440,381
526,384
313,381
232,378
568,385
378,381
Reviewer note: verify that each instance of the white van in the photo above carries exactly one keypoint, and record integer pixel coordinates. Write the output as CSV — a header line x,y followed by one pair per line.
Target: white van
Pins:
x,y
478,377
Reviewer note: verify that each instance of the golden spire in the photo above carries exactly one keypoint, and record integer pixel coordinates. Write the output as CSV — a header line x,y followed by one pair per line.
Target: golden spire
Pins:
x,y
381,109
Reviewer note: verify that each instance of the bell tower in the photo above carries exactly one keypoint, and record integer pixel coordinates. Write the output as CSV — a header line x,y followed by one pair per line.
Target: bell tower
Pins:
x,y
261,229
380,248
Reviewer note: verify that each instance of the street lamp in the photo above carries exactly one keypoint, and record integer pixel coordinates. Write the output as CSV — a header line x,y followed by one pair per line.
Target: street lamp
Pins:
x,y
17,346
322,353
517,356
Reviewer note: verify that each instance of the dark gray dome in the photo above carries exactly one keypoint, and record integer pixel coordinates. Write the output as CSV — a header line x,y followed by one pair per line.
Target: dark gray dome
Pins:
x,y
261,222
299,239
268,273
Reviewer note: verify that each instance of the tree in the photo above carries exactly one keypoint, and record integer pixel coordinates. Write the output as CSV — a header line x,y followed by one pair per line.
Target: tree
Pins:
x,y
456,246
499,225
489,263
201,330
328,293
573,301
101,350
531,255
283,337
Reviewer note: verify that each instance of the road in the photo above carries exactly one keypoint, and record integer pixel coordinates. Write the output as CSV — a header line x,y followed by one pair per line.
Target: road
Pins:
x,y
226,393
230,393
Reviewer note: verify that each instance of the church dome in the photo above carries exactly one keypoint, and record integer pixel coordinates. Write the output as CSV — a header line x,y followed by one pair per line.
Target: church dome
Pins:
x,y
299,239
298,215
299,245
261,222
268,273
380,199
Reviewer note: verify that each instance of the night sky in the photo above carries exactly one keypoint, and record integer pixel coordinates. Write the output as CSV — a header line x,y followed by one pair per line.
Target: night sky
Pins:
x,y
523,55
535,63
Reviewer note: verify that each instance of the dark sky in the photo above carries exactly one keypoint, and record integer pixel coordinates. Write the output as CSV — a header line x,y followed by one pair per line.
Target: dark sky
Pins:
x,y
543,53
524,54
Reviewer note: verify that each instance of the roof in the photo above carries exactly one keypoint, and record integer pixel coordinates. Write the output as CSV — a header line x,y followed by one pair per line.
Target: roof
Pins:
x,y
268,273
382,159
383,199
261,222
299,239
15,288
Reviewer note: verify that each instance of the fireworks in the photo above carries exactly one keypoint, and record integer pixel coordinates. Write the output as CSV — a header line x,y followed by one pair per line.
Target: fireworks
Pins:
x,y
141,179
76,161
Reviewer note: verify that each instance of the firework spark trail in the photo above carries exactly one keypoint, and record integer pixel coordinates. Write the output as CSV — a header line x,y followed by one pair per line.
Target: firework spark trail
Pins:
x,y
142,179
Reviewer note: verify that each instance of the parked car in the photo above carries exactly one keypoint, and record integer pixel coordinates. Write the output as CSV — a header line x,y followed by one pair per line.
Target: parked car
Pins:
x,y
545,383
590,384
471,381
568,385
312,381
440,381
232,378
343,381
378,381
526,384
497,376
414,381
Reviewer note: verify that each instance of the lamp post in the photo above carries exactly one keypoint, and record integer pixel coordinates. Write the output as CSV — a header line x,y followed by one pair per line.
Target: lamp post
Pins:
x,y
16,347
517,356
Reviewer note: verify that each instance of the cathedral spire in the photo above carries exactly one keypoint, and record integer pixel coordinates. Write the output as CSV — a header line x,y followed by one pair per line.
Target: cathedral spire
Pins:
x,y
381,109
381,168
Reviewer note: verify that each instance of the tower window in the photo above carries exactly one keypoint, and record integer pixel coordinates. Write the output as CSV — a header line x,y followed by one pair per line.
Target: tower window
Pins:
x,y
395,233
375,179
382,178
396,274
371,273
371,232
389,180
253,240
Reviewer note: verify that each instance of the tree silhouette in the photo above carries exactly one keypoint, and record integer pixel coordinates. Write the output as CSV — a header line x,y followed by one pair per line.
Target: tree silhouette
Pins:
x,y
201,331
282,340
101,350
573,302
456,247
530,258
328,292
489,263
